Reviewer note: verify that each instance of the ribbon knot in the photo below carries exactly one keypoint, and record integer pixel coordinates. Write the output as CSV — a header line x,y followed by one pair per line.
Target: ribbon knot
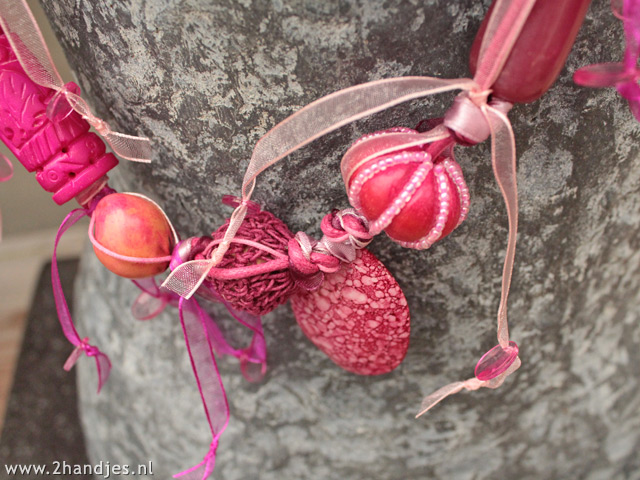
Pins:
x,y
467,117
345,231
100,125
479,96
307,266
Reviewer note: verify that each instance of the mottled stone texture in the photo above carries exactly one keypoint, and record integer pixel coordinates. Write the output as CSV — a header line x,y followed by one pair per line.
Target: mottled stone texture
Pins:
x,y
205,79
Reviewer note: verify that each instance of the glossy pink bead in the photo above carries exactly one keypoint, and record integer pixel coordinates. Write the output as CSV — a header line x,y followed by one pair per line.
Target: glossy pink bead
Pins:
x,y
415,198
66,157
496,361
539,52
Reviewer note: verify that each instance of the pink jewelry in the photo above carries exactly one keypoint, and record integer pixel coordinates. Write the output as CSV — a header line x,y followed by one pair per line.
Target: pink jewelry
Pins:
x,y
403,181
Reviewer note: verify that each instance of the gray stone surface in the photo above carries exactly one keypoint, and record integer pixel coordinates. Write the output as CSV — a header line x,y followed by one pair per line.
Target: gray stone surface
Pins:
x,y
205,79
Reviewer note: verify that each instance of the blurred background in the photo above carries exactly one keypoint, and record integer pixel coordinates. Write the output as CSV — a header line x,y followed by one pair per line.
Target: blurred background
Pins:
x,y
30,219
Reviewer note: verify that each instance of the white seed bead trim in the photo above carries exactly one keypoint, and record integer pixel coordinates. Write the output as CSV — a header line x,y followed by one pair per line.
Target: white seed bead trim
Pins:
x,y
455,173
398,203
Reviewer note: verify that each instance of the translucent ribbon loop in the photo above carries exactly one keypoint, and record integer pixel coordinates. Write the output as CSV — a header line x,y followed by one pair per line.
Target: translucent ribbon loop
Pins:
x,y
207,375
103,364
622,75
27,42
153,299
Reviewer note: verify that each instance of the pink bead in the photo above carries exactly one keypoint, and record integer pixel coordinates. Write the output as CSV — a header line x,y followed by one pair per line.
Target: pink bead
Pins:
x,y
67,158
414,199
496,361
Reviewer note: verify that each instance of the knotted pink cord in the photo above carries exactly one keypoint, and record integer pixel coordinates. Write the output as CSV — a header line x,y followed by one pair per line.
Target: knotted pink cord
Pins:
x,y
626,74
27,42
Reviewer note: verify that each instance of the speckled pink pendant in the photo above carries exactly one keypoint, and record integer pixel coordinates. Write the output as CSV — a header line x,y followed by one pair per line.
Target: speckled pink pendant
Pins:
x,y
359,317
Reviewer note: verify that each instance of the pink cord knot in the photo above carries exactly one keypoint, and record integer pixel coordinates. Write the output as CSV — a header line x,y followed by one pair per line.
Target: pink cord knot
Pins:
x,y
307,265
345,231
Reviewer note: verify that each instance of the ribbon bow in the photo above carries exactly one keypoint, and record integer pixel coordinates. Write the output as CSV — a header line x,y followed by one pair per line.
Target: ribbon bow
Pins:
x,y
27,42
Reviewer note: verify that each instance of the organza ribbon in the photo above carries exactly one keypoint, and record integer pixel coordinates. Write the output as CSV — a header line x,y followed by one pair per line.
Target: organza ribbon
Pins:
x,y
27,42
153,299
205,369
622,75
103,364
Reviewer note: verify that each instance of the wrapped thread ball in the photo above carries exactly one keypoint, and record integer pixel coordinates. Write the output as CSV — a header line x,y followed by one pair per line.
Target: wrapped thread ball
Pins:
x,y
256,294
133,226
414,198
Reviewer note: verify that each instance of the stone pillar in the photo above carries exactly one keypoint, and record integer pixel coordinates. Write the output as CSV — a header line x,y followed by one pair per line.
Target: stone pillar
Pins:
x,y
204,80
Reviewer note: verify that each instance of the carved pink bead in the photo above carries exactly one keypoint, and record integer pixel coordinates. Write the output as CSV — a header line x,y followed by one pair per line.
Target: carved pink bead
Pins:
x,y
413,197
66,157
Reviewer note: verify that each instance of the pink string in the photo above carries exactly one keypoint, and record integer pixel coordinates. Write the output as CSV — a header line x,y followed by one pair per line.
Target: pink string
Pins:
x,y
103,364
205,370
27,42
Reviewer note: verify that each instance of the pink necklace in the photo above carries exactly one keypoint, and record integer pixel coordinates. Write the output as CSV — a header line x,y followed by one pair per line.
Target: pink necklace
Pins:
x,y
403,181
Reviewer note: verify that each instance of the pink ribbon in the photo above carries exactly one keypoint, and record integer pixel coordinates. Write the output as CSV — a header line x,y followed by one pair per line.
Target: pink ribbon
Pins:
x,y
27,42
205,369
626,74
103,364
154,299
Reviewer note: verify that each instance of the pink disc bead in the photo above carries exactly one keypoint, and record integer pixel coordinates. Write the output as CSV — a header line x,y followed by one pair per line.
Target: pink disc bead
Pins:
x,y
66,157
415,198
496,361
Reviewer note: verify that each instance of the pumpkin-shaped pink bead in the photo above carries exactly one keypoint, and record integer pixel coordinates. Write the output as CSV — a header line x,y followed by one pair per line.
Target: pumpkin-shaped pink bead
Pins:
x,y
414,198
